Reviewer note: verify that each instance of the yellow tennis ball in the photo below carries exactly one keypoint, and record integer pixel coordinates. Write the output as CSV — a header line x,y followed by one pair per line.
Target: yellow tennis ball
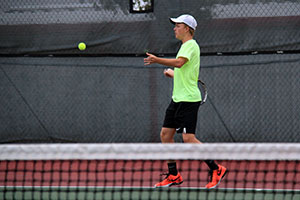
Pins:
x,y
81,46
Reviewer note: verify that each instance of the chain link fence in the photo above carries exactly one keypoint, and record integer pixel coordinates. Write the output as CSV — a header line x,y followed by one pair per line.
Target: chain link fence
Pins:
x,y
52,92
252,98
108,26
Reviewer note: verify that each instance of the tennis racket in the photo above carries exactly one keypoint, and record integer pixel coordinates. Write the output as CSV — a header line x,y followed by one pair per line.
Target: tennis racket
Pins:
x,y
203,91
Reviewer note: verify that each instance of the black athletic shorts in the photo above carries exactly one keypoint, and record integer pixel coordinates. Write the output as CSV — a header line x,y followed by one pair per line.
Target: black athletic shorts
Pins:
x,y
182,116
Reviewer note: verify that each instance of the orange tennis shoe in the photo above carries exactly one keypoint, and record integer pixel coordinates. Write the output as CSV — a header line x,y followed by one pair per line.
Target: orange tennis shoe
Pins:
x,y
170,180
216,177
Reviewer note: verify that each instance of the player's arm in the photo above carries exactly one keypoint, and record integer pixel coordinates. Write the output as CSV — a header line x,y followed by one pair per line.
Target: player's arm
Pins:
x,y
172,62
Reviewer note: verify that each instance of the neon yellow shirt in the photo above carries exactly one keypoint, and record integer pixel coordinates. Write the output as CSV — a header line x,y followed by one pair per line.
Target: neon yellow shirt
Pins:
x,y
185,86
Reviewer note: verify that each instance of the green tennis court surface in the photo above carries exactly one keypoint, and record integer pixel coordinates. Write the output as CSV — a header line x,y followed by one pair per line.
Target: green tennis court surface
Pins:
x,y
90,193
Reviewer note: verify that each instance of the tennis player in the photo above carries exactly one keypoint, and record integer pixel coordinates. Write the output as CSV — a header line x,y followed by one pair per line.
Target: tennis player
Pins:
x,y
181,115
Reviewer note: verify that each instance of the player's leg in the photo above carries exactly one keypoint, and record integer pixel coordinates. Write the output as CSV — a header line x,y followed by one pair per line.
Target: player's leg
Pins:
x,y
217,172
173,177
189,122
191,138
167,136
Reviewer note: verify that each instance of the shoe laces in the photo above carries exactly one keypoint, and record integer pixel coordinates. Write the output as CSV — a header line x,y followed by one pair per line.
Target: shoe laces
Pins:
x,y
165,174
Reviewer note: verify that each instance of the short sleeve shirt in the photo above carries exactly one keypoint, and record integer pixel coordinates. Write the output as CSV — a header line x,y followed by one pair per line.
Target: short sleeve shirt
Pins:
x,y
185,86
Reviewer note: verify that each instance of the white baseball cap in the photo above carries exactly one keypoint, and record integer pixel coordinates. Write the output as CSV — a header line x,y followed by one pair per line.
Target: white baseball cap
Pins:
x,y
186,19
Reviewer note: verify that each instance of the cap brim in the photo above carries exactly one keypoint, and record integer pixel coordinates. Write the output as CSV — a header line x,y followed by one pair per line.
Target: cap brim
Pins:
x,y
175,20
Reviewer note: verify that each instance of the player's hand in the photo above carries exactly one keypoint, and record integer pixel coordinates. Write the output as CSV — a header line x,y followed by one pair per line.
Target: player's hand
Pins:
x,y
169,73
150,59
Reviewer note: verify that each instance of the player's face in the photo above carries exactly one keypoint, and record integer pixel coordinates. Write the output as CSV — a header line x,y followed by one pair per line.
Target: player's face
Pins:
x,y
180,30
